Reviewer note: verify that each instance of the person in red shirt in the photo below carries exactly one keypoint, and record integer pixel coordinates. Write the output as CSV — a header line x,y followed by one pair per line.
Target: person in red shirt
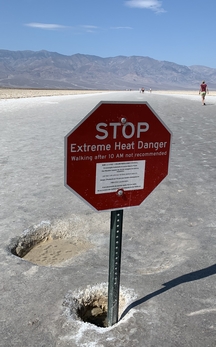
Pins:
x,y
203,90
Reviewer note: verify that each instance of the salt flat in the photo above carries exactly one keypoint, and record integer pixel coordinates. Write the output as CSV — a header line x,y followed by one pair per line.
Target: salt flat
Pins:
x,y
14,93
168,253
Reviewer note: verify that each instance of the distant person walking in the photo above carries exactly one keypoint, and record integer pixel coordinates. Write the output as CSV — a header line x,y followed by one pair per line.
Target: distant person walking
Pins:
x,y
203,90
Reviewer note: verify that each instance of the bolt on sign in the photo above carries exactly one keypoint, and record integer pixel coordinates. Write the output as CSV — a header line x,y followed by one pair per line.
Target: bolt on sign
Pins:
x,y
117,155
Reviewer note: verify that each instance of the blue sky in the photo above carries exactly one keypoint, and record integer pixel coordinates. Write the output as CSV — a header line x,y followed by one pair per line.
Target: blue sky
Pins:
x,y
180,31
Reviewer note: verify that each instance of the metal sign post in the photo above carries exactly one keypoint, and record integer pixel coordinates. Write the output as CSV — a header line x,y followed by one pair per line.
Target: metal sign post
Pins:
x,y
116,223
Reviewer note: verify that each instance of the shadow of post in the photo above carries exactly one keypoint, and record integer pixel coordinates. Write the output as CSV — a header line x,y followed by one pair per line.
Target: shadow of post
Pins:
x,y
192,276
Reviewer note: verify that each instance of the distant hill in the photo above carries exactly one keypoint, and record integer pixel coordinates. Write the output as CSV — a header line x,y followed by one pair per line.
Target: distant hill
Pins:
x,y
43,69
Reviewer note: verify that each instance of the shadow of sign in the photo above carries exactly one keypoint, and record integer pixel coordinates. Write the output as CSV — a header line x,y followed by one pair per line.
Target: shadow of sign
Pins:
x,y
192,276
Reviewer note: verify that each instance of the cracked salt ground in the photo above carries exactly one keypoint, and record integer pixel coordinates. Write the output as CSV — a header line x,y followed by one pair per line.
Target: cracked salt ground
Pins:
x,y
57,243
54,252
84,333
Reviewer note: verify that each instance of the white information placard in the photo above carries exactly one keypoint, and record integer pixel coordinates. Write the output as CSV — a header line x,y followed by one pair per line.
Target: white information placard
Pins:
x,y
126,175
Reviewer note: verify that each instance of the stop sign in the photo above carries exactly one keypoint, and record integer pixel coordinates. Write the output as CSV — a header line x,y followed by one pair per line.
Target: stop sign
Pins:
x,y
117,155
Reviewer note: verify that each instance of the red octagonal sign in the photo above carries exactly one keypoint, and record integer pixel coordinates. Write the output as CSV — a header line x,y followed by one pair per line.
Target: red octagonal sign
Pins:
x,y
117,155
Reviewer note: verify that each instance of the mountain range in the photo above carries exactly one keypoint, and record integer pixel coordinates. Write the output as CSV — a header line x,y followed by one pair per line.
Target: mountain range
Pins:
x,y
50,70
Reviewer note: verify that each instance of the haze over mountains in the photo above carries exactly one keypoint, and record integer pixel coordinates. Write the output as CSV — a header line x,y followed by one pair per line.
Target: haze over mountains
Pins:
x,y
49,70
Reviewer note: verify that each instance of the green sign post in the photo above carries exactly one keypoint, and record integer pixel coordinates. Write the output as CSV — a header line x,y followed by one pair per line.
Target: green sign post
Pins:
x,y
116,223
